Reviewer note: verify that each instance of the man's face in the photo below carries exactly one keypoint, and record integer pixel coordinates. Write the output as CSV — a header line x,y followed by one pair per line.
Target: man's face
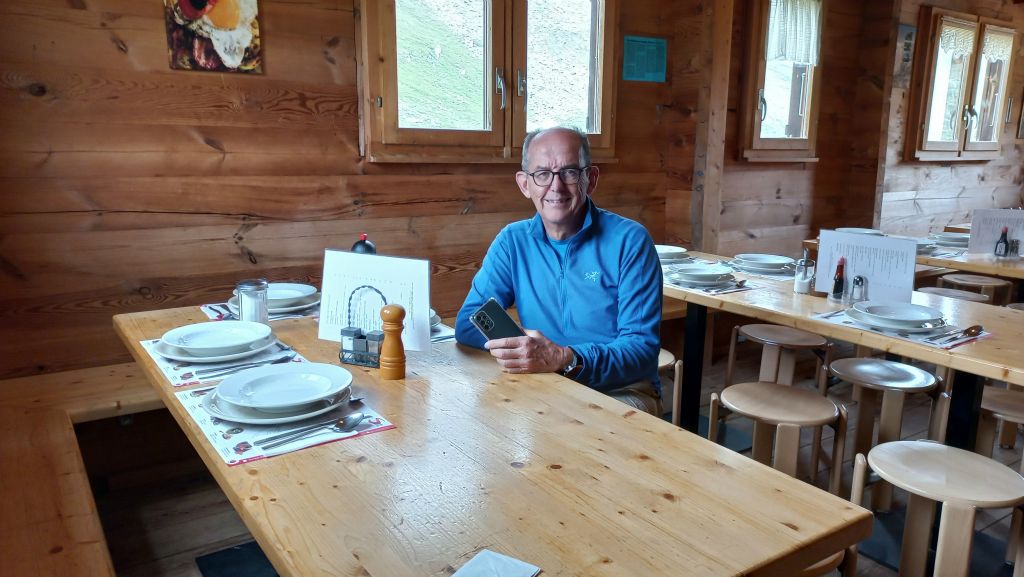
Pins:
x,y
561,206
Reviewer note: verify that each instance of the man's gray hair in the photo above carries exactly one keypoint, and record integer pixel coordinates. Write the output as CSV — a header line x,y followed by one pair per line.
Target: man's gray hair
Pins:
x,y
584,154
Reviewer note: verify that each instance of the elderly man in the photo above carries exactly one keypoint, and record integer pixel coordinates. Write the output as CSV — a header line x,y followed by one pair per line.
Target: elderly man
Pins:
x,y
586,282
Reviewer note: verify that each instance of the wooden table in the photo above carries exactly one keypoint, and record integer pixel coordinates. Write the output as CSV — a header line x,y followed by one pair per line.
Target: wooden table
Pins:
x,y
997,356
533,466
962,227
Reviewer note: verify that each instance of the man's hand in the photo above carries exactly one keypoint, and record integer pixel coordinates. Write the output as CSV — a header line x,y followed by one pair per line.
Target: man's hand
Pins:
x,y
533,353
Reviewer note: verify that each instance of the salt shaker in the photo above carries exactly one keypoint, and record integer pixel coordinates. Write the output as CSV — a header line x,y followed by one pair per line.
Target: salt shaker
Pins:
x,y
252,300
804,276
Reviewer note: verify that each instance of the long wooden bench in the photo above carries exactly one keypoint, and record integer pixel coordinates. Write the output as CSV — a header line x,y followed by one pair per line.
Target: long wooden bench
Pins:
x,y
48,519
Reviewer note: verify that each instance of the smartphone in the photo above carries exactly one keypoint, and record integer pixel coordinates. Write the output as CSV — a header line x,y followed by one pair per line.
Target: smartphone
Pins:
x,y
494,322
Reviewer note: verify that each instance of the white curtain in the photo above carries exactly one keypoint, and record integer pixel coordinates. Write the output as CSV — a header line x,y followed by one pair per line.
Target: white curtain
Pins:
x,y
794,31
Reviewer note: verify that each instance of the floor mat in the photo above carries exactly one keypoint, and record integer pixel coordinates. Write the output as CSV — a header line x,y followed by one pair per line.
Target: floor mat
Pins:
x,y
245,560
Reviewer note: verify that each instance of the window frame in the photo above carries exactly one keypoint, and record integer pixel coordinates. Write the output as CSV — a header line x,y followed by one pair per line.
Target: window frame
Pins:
x,y
916,145
753,147
382,141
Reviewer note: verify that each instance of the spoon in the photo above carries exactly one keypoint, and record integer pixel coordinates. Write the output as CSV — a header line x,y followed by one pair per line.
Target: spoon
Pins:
x,y
738,284
971,331
343,425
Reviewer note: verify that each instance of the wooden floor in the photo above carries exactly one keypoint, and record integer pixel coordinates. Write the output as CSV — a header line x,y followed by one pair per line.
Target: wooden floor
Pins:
x,y
158,529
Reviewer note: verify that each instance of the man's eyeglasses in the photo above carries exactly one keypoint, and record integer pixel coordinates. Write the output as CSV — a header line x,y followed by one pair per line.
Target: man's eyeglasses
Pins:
x,y
566,175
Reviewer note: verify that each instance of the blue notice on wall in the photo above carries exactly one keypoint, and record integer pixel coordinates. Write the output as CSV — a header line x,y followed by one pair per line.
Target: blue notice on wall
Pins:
x,y
643,59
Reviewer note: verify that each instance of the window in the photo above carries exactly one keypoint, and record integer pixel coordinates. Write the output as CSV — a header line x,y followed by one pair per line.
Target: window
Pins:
x,y
959,94
779,120
465,80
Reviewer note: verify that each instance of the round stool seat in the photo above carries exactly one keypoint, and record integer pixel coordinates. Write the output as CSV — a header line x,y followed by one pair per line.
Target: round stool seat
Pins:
x,y
665,359
777,404
782,336
881,375
1016,306
975,280
1005,404
942,473
955,294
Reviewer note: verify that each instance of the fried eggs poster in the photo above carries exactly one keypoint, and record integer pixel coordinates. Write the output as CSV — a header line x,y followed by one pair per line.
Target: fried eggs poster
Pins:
x,y
213,35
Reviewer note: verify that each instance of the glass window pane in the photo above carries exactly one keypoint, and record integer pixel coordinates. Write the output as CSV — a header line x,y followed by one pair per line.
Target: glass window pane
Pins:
x,y
991,84
952,57
787,93
442,57
562,51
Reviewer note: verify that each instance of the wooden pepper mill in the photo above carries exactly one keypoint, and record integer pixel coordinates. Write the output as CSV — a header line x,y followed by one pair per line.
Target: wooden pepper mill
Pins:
x,y
392,351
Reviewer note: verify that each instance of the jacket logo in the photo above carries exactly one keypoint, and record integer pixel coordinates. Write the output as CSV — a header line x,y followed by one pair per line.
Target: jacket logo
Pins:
x,y
591,276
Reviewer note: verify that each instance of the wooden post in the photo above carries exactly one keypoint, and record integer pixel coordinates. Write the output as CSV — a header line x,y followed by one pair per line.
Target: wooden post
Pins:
x,y
392,352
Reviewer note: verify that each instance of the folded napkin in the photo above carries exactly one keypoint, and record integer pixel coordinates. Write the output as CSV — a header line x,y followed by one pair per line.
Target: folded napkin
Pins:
x,y
181,373
487,563
841,318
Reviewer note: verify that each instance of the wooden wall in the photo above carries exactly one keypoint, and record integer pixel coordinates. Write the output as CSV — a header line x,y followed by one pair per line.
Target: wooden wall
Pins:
x,y
126,186
772,207
918,197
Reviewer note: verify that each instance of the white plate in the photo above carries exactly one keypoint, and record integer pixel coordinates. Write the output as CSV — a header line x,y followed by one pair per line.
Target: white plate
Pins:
x,y
764,260
176,354
216,338
898,312
948,244
770,269
963,237
855,230
667,251
228,412
883,324
298,306
283,294
700,268
671,261
722,280
285,387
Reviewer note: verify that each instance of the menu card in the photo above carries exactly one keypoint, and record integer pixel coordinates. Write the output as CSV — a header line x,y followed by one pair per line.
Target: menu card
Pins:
x,y
987,224
886,263
357,285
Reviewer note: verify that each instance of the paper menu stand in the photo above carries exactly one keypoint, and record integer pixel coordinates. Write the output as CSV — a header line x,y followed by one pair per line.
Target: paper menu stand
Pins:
x,y
356,286
986,225
886,263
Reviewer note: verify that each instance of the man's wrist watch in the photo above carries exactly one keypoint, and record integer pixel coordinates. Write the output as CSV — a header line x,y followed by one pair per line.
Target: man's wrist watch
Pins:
x,y
574,367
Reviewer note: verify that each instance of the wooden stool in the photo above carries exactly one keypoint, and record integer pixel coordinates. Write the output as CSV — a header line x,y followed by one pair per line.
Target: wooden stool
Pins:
x,y
955,294
782,410
666,360
932,472
893,380
986,285
778,357
1007,406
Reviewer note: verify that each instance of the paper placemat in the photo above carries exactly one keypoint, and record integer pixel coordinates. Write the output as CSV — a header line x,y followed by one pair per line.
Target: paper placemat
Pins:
x,y
841,318
442,332
713,291
182,373
222,312
236,442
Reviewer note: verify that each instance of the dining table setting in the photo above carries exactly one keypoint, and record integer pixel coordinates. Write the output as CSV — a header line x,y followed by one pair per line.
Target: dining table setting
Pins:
x,y
458,460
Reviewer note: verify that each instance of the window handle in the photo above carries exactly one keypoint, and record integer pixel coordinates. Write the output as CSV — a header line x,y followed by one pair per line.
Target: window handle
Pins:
x,y
1009,111
762,104
520,82
499,85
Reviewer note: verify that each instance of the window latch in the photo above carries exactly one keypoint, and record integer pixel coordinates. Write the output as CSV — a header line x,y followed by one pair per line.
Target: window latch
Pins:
x,y
521,83
762,104
499,86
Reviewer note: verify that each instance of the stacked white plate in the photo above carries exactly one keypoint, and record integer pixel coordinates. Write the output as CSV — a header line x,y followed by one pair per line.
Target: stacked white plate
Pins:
x,y
904,317
285,297
764,263
856,230
700,275
275,394
668,254
215,342
924,245
951,239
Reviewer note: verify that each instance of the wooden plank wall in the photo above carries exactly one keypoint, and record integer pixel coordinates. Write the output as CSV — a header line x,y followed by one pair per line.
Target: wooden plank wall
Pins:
x,y
126,186
772,207
919,197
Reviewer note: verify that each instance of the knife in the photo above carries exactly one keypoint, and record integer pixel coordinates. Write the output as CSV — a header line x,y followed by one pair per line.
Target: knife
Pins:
x,y
224,371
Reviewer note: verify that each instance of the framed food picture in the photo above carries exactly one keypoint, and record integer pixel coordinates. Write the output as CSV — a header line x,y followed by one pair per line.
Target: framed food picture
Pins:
x,y
214,35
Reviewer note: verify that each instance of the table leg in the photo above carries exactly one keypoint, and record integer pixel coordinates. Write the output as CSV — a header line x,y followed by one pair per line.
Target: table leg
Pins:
x,y
693,365
890,423
964,408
